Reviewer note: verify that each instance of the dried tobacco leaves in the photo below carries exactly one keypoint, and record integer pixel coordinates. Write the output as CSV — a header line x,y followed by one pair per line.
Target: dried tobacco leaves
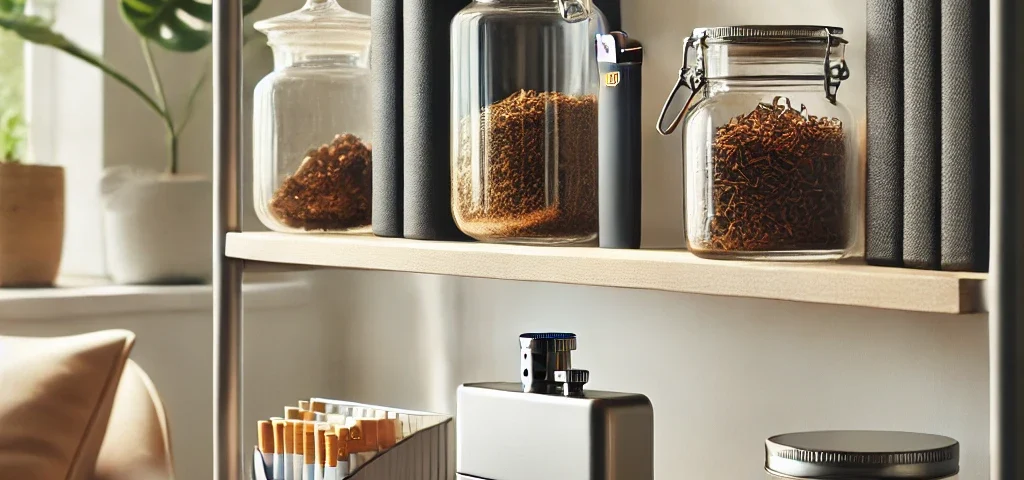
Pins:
x,y
331,190
537,173
779,182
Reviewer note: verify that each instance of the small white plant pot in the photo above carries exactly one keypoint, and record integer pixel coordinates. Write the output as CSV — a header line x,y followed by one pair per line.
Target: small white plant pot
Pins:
x,y
157,228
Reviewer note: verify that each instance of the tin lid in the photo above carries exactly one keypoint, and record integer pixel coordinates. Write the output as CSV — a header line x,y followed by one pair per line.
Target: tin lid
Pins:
x,y
852,454
770,33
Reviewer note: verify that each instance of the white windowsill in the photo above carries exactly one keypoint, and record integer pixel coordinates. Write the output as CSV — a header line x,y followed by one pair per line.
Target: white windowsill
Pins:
x,y
88,297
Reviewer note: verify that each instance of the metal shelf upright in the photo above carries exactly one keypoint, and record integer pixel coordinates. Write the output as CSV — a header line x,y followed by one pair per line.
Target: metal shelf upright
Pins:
x,y
1006,280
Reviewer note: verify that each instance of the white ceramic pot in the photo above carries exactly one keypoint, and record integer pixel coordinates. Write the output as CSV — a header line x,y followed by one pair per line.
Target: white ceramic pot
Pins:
x,y
157,228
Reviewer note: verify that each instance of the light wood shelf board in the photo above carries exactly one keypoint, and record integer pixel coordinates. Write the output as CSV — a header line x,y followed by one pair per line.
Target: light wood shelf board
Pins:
x,y
666,270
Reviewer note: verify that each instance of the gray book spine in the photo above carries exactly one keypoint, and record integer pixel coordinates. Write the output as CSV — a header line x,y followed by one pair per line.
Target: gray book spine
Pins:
x,y
612,10
965,152
427,210
386,62
884,199
921,131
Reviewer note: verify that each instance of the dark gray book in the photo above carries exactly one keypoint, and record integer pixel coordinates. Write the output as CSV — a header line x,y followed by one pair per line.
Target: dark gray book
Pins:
x,y
612,11
965,151
427,211
883,242
386,64
921,133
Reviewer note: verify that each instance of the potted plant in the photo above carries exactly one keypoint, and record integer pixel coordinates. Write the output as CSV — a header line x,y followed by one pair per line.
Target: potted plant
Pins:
x,y
31,212
157,225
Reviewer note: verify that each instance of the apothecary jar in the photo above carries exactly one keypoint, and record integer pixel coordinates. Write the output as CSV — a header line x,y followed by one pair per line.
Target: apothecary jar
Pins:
x,y
524,120
311,122
770,161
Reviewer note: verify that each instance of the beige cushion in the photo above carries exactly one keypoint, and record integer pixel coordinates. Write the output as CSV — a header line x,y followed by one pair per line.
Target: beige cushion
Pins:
x,y
138,444
55,401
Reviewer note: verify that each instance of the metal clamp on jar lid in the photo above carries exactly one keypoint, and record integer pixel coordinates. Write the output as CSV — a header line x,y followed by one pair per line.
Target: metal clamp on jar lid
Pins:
x,y
694,76
547,364
862,455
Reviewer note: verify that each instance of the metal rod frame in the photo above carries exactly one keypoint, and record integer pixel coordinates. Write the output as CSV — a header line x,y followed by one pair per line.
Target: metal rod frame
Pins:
x,y
1006,270
227,272
1006,335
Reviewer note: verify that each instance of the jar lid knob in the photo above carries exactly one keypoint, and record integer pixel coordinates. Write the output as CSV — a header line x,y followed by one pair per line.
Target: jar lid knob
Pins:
x,y
575,10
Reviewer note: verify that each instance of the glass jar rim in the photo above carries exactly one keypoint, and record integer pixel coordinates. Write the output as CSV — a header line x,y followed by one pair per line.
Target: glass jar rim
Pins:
x,y
770,34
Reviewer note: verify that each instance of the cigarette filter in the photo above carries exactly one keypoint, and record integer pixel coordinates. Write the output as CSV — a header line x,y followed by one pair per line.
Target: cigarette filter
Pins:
x,y
343,438
265,437
331,454
319,458
289,450
309,454
279,450
386,433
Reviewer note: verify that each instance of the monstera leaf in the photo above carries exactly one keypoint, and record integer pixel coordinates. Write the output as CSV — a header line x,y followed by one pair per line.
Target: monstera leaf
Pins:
x,y
178,25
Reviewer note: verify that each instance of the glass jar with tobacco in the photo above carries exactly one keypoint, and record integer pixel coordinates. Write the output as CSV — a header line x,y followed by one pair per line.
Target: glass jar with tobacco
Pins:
x,y
524,125
770,161
311,122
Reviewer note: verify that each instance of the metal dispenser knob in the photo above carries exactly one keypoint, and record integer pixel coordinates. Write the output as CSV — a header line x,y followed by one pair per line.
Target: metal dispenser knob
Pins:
x,y
543,355
572,381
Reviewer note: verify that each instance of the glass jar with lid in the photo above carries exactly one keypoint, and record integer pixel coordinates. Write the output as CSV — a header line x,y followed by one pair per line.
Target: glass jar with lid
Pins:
x,y
311,122
861,455
524,120
770,155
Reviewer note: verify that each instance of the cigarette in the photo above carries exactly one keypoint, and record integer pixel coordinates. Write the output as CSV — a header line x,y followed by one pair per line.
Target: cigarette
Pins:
x,y
303,404
343,437
308,416
331,452
297,443
364,436
289,450
265,434
319,458
292,413
309,454
279,450
318,406
386,433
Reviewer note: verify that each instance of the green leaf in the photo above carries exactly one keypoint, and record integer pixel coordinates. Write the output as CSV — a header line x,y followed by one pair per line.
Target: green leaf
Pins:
x,y
37,30
12,7
177,25
12,136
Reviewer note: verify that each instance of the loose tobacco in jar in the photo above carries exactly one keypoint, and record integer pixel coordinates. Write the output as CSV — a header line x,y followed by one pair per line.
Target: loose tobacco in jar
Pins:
x,y
537,176
331,190
779,182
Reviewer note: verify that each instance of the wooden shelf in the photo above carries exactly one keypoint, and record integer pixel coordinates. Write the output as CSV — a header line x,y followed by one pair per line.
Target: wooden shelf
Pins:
x,y
667,270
